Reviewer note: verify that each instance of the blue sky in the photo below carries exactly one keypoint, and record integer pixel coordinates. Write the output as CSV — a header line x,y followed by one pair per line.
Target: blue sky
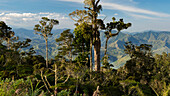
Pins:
x,y
143,14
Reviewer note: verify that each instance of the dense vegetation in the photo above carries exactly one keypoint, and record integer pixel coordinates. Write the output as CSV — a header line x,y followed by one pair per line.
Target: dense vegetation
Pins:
x,y
72,72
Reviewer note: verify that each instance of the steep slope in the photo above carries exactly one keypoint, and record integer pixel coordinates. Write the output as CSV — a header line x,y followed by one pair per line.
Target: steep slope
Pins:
x,y
159,40
38,42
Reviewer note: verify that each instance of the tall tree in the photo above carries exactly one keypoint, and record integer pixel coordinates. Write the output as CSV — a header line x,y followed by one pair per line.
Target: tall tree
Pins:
x,y
118,25
83,29
65,41
81,42
93,11
141,63
64,56
6,34
44,29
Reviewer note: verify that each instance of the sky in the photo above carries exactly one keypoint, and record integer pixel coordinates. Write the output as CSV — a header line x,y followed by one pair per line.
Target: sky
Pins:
x,y
143,14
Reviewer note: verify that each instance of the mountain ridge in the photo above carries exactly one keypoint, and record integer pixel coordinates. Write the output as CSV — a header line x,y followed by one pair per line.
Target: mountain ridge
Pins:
x,y
159,40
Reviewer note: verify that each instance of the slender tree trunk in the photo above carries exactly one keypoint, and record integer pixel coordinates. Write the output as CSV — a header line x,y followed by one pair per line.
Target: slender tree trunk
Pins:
x,y
106,46
44,82
46,52
47,81
91,63
8,44
97,55
96,35
105,53
77,85
55,91
70,53
97,46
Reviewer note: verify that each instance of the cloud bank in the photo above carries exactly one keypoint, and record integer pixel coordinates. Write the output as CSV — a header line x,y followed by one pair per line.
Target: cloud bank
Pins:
x,y
28,20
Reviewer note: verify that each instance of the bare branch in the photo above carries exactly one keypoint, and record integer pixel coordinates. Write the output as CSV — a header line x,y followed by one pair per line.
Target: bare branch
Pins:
x,y
44,82
47,81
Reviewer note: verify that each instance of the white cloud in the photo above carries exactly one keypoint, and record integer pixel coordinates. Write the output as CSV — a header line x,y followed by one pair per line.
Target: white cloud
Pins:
x,y
140,25
143,16
28,20
1,14
115,14
115,6
77,1
20,15
102,15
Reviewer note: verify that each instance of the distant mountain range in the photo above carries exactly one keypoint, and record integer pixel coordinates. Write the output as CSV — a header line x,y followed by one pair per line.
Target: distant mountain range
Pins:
x,y
159,39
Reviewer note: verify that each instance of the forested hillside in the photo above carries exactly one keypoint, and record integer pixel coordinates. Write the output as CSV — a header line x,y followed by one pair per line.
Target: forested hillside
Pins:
x,y
159,39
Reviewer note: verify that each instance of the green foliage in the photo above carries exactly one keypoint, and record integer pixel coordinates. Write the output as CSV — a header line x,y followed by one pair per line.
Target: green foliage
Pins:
x,y
160,80
17,65
133,88
105,63
45,27
38,63
20,44
65,41
82,34
141,63
79,16
19,87
64,93
13,56
6,34
112,91
35,91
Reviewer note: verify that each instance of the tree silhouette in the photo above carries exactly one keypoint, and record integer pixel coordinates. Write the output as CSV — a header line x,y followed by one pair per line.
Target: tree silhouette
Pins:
x,y
141,64
7,34
65,41
118,25
93,10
